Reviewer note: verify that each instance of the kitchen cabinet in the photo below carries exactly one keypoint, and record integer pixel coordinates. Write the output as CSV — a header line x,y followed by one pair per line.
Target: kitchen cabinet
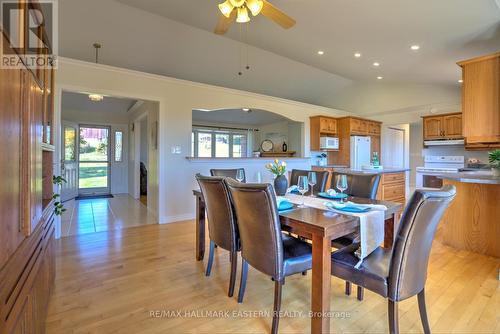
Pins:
x,y
392,187
354,126
321,126
446,126
481,101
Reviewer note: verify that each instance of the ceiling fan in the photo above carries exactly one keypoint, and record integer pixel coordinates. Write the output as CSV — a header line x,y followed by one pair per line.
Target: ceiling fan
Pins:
x,y
238,9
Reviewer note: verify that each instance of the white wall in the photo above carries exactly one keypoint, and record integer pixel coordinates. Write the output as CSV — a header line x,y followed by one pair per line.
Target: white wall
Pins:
x,y
177,99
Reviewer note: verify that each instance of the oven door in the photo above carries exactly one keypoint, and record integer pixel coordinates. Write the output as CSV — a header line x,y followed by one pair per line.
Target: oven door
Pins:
x,y
431,181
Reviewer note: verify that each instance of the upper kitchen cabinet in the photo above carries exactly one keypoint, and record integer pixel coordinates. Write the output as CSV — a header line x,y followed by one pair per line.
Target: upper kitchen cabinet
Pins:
x,y
481,101
321,126
448,126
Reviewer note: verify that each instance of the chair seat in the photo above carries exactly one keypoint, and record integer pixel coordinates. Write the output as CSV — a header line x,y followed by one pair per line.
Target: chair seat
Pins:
x,y
373,273
297,255
346,240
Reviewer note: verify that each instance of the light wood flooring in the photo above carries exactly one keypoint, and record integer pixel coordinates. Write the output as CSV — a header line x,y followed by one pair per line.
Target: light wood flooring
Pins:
x,y
110,282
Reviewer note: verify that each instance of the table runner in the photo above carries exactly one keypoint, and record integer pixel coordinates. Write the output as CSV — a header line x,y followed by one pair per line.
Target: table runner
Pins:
x,y
371,223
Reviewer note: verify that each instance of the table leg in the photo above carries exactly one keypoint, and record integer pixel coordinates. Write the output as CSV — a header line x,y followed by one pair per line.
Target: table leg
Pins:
x,y
321,276
200,228
389,231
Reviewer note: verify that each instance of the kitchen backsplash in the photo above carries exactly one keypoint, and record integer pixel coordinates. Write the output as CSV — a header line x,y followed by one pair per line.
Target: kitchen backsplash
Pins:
x,y
456,150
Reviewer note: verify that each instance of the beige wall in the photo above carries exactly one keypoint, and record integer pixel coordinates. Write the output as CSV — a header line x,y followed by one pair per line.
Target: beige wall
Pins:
x,y
177,99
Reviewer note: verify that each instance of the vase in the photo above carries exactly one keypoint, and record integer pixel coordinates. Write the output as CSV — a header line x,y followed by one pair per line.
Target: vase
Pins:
x,y
280,185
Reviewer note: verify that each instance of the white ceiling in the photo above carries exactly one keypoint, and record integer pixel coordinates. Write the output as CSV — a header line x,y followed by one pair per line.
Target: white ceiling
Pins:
x,y
256,117
81,102
383,31
175,38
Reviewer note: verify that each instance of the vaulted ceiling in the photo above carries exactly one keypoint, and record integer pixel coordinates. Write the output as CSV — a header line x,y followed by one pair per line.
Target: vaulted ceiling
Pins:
x,y
175,38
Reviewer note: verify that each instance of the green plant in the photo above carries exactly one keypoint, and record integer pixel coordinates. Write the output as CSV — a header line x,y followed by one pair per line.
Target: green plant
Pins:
x,y
277,168
58,206
494,159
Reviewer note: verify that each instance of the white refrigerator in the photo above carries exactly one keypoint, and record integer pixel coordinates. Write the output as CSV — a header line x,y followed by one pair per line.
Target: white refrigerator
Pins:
x,y
360,152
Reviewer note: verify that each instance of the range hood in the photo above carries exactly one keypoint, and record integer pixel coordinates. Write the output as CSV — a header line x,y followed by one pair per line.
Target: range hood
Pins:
x,y
445,142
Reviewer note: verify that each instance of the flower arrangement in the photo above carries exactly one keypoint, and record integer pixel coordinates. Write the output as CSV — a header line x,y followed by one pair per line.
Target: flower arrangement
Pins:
x,y
277,168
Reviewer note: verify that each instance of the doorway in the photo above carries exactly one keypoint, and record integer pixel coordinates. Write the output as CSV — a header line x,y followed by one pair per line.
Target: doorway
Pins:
x,y
93,160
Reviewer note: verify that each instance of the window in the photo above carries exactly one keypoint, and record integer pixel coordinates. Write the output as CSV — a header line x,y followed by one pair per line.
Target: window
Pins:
x,y
118,146
207,143
69,143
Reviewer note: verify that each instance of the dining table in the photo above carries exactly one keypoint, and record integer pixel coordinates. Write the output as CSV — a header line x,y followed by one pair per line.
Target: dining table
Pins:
x,y
321,227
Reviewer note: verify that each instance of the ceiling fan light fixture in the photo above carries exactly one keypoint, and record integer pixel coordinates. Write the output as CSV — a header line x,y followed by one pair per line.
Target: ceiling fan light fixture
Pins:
x,y
237,3
255,6
242,15
226,8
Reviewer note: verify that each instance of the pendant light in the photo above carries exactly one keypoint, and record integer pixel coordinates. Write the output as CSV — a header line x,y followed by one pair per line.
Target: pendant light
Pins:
x,y
226,8
96,97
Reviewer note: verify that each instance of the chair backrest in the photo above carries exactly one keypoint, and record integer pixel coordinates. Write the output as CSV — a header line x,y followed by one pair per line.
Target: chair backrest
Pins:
x,y
321,179
359,185
222,226
228,173
259,226
412,246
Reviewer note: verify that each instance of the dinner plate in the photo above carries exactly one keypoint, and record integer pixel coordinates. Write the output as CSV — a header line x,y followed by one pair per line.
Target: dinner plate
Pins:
x,y
267,145
336,196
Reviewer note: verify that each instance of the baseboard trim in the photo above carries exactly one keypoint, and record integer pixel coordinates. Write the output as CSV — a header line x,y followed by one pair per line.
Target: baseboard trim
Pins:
x,y
177,218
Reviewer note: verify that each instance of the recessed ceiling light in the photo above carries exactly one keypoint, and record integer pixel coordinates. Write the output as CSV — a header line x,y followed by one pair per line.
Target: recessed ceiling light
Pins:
x,y
460,81
245,109
415,47
320,52
376,64
357,55
380,78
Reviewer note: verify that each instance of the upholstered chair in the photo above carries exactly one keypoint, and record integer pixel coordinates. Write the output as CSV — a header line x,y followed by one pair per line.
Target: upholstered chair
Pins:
x,y
263,245
321,179
400,273
228,173
222,227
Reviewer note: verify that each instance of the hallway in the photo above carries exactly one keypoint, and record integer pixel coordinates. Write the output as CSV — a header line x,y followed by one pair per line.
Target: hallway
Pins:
x,y
104,214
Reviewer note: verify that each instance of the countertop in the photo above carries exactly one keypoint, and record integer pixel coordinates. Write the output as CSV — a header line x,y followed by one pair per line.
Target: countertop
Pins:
x,y
371,171
471,177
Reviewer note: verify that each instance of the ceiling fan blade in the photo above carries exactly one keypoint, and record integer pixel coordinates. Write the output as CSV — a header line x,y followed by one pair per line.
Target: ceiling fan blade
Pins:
x,y
224,23
273,13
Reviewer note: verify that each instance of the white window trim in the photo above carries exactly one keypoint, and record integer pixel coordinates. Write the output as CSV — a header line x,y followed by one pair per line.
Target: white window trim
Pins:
x,y
200,129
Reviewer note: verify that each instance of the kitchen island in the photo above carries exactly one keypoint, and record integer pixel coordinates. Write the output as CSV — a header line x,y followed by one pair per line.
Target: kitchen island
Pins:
x,y
472,221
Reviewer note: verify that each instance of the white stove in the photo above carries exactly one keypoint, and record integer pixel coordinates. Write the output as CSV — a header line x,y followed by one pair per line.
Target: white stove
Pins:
x,y
427,176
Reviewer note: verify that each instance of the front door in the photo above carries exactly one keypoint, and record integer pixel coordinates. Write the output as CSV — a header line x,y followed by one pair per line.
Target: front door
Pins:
x,y
69,164
94,160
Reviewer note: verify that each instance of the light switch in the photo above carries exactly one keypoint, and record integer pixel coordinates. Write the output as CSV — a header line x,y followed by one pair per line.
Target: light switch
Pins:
x,y
176,149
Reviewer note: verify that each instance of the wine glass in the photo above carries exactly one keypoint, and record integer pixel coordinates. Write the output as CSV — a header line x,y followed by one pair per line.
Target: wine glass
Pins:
x,y
302,187
311,176
240,175
342,183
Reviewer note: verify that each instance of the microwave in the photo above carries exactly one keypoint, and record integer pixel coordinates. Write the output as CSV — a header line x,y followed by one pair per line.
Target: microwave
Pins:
x,y
329,143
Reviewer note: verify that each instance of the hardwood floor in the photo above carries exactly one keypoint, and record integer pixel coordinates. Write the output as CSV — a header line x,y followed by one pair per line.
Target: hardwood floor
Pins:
x,y
112,281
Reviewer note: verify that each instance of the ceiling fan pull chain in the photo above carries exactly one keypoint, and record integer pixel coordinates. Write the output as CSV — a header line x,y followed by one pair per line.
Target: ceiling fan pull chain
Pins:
x,y
240,52
246,45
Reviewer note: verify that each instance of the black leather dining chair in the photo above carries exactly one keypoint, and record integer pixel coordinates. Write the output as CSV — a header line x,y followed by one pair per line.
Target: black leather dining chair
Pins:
x,y
263,245
222,226
400,273
358,185
228,173
321,179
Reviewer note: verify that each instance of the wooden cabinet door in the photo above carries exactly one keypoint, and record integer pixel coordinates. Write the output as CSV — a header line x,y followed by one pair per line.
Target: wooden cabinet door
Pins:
x,y
332,125
373,128
452,126
433,128
323,125
481,101
11,127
